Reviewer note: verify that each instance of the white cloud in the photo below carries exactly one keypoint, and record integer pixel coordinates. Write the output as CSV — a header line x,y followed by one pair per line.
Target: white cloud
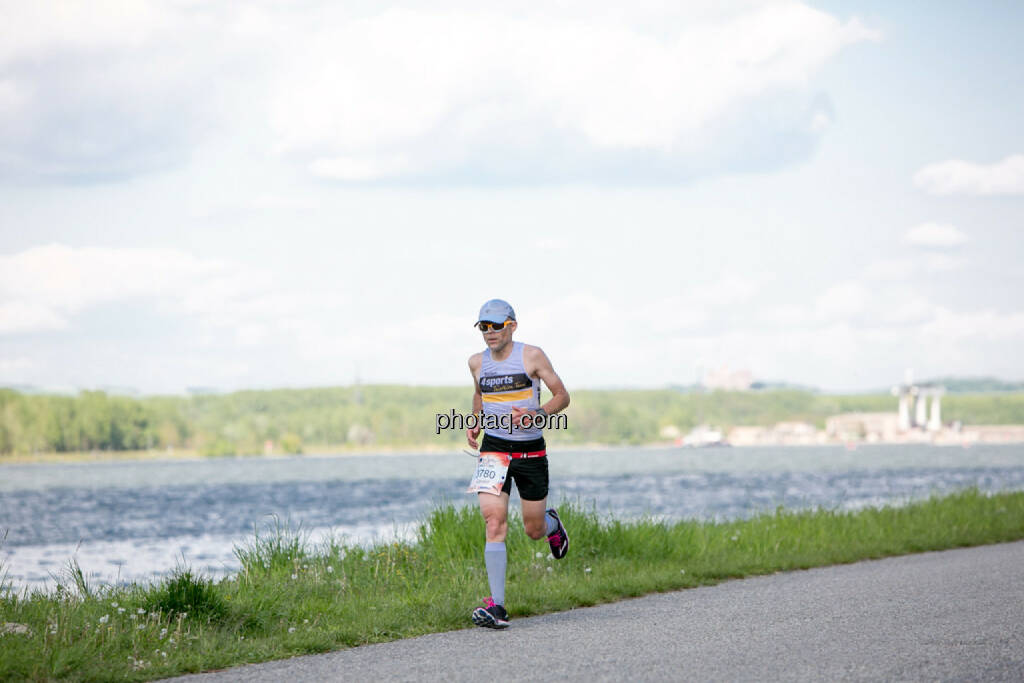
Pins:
x,y
109,89
416,91
943,263
373,92
785,315
726,291
890,269
25,316
908,269
985,325
841,301
15,367
252,334
42,287
935,235
37,29
359,168
901,307
551,244
956,177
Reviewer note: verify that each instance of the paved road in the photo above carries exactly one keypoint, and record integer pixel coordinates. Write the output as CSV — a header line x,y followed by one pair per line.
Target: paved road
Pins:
x,y
954,615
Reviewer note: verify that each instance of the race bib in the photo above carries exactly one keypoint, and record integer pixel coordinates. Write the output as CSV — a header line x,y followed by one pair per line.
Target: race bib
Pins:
x,y
491,470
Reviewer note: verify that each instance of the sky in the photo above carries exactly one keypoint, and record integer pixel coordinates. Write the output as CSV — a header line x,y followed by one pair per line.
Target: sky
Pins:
x,y
266,194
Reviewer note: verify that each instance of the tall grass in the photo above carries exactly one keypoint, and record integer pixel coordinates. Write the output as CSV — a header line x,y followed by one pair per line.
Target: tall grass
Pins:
x,y
293,597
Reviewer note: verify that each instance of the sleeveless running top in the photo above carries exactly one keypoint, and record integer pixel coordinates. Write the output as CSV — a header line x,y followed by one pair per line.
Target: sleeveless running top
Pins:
x,y
505,385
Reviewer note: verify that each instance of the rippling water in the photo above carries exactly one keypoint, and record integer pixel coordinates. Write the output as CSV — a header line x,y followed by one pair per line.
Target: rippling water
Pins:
x,y
136,520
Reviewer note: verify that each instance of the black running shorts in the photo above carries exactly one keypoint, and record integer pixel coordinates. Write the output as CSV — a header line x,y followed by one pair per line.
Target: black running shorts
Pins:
x,y
530,474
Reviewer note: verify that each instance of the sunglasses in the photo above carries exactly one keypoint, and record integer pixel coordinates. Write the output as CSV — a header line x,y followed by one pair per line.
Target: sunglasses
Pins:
x,y
488,326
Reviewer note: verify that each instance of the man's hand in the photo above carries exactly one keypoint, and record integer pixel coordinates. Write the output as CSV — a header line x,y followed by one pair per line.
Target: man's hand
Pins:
x,y
471,435
518,412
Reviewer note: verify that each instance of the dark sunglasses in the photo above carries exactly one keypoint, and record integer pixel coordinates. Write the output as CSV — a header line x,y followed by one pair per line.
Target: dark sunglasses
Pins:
x,y
488,326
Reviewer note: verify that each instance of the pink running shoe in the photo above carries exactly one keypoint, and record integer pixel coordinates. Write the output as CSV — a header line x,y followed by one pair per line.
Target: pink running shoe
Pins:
x,y
559,540
490,615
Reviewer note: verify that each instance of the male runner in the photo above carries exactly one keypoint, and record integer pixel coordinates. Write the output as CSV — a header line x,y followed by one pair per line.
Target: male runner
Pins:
x,y
507,377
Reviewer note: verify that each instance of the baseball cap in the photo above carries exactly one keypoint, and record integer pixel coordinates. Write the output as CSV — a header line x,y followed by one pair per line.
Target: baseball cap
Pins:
x,y
496,311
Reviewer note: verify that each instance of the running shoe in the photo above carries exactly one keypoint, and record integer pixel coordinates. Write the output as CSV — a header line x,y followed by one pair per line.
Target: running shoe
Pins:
x,y
490,615
559,540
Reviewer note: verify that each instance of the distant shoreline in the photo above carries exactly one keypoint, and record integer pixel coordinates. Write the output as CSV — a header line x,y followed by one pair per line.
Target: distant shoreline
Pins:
x,y
188,454
381,420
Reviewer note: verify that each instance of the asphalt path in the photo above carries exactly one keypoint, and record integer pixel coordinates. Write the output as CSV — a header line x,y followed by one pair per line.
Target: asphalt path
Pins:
x,y
953,615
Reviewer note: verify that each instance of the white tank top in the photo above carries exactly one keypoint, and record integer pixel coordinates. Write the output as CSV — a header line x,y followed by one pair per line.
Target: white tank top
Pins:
x,y
505,385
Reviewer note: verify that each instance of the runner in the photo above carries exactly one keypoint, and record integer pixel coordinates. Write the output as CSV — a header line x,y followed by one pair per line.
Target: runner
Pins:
x,y
507,377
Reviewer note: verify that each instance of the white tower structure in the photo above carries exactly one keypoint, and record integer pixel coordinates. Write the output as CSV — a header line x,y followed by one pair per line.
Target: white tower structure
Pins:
x,y
935,420
904,411
921,412
918,395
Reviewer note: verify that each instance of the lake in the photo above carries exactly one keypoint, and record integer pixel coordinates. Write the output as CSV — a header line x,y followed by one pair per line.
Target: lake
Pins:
x,y
134,521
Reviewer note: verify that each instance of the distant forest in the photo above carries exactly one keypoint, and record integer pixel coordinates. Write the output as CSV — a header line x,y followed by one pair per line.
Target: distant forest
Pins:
x,y
366,417
975,385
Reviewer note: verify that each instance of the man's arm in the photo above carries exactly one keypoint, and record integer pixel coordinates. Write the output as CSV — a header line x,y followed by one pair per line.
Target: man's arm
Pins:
x,y
537,365
475,362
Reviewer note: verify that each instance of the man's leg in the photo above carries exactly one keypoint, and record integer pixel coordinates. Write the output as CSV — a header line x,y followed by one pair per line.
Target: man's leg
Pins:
x,y
539,522
532,482
495,512
535,519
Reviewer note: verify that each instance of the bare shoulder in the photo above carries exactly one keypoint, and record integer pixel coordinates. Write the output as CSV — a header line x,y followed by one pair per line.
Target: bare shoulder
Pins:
x,y
476,360
534,357
533,352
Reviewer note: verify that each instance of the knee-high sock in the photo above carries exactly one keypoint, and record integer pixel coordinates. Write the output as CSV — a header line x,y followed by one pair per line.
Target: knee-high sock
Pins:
x,y
552,525
495,558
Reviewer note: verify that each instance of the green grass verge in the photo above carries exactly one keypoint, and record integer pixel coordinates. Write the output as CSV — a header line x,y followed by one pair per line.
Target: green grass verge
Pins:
x,y
292,598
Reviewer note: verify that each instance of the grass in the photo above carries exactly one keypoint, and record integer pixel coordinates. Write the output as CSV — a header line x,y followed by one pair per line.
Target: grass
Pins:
x,y
292,598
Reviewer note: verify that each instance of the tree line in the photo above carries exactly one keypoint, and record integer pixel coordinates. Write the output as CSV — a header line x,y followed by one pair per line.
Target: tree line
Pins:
x,y
386,416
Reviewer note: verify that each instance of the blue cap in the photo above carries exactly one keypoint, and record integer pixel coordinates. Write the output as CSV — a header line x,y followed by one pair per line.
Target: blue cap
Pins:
x,y
496,311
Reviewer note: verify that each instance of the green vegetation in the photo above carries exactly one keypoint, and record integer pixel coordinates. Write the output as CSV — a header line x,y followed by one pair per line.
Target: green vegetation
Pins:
x,y
290,598
343,418
974,385
186,593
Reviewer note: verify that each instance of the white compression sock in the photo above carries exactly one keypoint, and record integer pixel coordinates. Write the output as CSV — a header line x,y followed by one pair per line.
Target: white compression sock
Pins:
x,y
495,557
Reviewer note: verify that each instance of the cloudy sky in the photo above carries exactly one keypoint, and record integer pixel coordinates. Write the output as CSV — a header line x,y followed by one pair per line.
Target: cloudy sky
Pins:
x,y
266,194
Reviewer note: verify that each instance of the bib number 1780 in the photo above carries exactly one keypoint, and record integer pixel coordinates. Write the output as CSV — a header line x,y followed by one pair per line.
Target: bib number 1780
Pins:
x,y
489,477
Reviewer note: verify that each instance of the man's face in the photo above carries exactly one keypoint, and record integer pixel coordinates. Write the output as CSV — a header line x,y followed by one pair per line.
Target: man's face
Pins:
x,y
498,339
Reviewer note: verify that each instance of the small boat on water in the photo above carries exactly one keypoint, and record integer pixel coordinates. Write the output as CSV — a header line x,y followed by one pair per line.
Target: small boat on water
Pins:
x,y
703,436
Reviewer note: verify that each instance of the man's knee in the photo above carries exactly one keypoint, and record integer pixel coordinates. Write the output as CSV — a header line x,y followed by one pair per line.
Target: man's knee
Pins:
x,y
497,527
535,530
